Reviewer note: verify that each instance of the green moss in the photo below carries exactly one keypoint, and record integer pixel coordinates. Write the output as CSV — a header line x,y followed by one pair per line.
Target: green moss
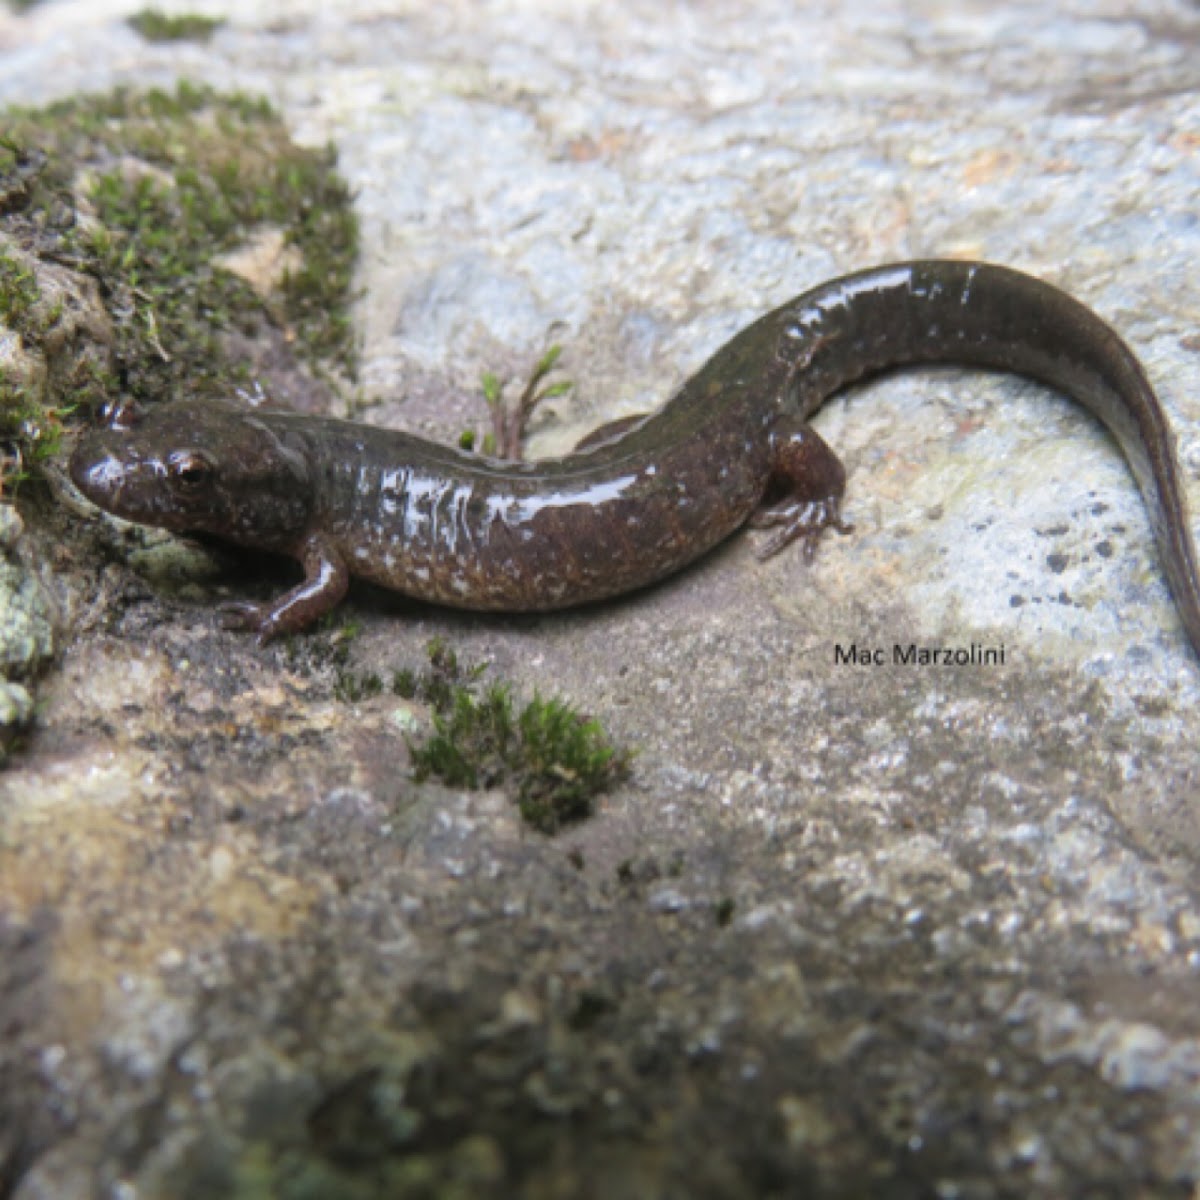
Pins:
x,y
553,759
157,26
439,683
19,296
564,761
29,431
175,180
351,688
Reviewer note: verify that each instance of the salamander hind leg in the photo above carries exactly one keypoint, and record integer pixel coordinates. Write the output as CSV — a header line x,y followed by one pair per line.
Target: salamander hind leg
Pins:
x,y
804,495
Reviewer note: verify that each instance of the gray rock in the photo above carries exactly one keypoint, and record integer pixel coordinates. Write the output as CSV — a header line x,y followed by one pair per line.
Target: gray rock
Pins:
x,y
876,931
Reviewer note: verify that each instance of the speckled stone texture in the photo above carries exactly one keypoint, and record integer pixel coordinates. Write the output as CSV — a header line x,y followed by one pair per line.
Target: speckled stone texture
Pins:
x,y
890,932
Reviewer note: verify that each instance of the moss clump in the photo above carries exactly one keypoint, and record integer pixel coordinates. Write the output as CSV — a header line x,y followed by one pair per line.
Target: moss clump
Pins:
x,y
29,433
42,311
555,760
19,295
352,688
438,684
148,193
157,26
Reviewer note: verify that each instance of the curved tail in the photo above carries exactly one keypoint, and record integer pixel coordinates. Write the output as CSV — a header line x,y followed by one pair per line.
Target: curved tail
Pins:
x,y
977,314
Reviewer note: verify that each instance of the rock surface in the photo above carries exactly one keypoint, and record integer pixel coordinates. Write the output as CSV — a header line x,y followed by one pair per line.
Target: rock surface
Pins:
x,y
876,931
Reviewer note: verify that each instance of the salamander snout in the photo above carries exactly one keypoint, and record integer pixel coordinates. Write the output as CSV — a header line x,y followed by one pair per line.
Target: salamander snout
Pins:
x,y
96,478
199,467
136,483
98,473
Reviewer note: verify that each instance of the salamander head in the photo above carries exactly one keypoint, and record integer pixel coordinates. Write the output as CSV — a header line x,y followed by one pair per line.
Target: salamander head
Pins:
x,y
199,466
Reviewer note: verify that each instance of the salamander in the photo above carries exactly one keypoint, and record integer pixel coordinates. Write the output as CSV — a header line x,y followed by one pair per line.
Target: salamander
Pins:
x,y
642,498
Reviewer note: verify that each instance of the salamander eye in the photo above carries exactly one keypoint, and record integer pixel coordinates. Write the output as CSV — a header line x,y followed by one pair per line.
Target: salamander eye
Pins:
x,y
190,469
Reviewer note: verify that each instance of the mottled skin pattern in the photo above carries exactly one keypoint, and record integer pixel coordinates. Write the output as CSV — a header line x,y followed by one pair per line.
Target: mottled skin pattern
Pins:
x,y
635,502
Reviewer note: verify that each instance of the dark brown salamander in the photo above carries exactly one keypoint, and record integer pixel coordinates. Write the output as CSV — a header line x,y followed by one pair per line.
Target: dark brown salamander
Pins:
x,y
636,504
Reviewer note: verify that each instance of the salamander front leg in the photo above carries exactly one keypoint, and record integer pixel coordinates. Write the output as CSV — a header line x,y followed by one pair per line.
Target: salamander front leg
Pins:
x,y
804,496
325,582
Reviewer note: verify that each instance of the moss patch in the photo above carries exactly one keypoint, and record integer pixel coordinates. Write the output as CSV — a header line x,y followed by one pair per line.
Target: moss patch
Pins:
x,y
146,193
53,337
553,759
19,295
157,26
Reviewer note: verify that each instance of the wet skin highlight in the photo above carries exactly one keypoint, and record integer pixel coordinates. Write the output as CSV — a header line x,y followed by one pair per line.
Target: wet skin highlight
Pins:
x,y
639,499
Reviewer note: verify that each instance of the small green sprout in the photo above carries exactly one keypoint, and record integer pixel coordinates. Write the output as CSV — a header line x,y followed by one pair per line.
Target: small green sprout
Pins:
x,y
509,424
492,388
